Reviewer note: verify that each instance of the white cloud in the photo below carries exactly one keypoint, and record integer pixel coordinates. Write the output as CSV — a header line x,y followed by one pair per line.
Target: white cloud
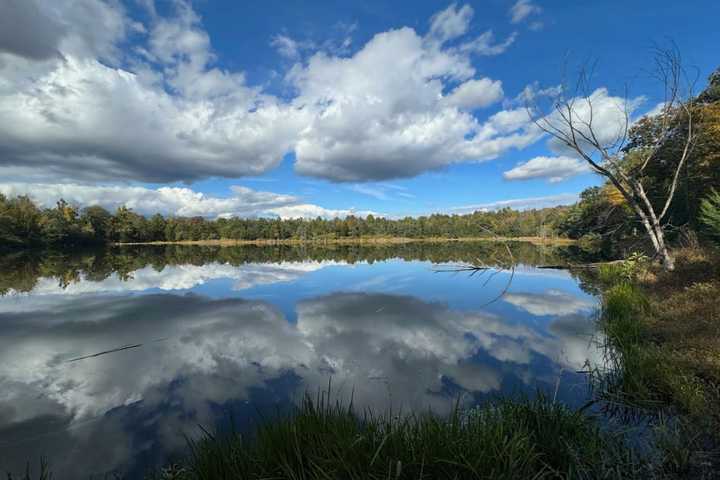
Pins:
x,y
485,44
521,203
164,112
177,117
375,192
522,9
407,125
286,46
555,169
450,23
307,210
604,112
181,201
476,94
381,191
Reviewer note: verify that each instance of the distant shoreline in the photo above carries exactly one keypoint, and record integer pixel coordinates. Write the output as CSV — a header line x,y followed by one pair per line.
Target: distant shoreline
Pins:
x,y
357,241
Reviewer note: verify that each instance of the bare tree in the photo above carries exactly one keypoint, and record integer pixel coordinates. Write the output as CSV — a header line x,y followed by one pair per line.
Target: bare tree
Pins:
x,y
569,120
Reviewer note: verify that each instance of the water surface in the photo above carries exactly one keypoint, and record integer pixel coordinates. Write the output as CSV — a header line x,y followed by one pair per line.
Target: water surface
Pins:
x,y
108,358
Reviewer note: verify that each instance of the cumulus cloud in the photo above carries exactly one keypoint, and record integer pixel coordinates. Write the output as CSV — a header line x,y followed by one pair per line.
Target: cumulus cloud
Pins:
x,y
180,201
163,111
26,30
607,114
171,116
555,169
408,124
522,9
476,94
41,29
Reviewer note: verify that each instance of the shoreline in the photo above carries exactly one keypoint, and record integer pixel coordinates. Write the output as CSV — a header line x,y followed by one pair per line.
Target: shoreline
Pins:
x,y
355,241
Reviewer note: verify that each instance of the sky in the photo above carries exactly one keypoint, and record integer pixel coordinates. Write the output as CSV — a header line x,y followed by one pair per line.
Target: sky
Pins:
x,y
285,108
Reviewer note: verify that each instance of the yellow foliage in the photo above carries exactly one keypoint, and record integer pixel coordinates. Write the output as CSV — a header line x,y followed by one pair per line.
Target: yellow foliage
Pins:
x,y
710,122
612,194
708,149
68,213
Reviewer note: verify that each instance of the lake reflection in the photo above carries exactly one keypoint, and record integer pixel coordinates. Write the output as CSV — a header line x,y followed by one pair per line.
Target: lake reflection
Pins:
x,y
121,352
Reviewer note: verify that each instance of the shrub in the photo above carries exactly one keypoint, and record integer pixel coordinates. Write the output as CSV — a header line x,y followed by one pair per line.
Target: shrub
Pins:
x,y
710,213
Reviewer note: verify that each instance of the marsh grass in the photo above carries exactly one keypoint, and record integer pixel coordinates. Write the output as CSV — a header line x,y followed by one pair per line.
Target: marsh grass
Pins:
x,y
662,339
529,438
639,372
662,347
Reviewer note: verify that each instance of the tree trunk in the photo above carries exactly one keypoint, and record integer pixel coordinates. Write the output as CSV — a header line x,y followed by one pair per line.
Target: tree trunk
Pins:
x,y
656,233
667,260
657,236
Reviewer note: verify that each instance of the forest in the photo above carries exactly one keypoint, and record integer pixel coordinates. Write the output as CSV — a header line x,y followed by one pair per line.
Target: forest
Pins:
x,y
23,224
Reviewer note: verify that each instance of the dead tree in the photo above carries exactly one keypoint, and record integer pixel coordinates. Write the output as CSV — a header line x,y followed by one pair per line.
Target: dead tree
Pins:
x,y
569,120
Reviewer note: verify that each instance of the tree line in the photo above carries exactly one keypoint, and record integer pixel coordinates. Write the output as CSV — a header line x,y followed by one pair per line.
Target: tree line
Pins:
x,y
24,224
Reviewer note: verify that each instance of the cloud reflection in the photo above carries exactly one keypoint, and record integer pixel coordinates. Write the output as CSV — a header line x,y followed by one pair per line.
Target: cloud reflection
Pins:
x,y
181,277
197,353
550,302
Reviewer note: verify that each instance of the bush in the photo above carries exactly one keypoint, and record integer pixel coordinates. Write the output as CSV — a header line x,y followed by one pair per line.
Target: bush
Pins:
x,y
710,213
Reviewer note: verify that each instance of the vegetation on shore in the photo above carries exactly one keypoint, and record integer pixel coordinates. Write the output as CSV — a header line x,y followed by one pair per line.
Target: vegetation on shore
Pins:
x,y
526,438
23,224
663,351
371,240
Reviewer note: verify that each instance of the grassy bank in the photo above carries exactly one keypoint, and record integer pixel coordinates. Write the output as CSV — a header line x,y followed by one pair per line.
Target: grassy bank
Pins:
x,y
536,439
361,241
663,333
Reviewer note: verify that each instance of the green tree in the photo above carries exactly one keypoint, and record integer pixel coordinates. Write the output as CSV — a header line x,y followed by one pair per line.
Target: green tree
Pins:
x,y
19,222
99,221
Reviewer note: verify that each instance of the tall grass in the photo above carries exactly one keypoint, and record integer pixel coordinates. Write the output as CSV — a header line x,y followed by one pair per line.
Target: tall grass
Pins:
x,y
529,438
642,379
638,373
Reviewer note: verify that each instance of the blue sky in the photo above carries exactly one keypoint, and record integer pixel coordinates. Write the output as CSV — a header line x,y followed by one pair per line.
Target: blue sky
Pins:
x,y
296,108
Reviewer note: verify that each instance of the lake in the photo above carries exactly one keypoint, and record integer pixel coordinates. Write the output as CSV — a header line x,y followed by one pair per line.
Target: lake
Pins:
x,y
109,358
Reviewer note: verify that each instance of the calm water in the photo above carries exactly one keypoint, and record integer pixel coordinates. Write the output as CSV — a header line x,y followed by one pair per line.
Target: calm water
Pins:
x,y
107,359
